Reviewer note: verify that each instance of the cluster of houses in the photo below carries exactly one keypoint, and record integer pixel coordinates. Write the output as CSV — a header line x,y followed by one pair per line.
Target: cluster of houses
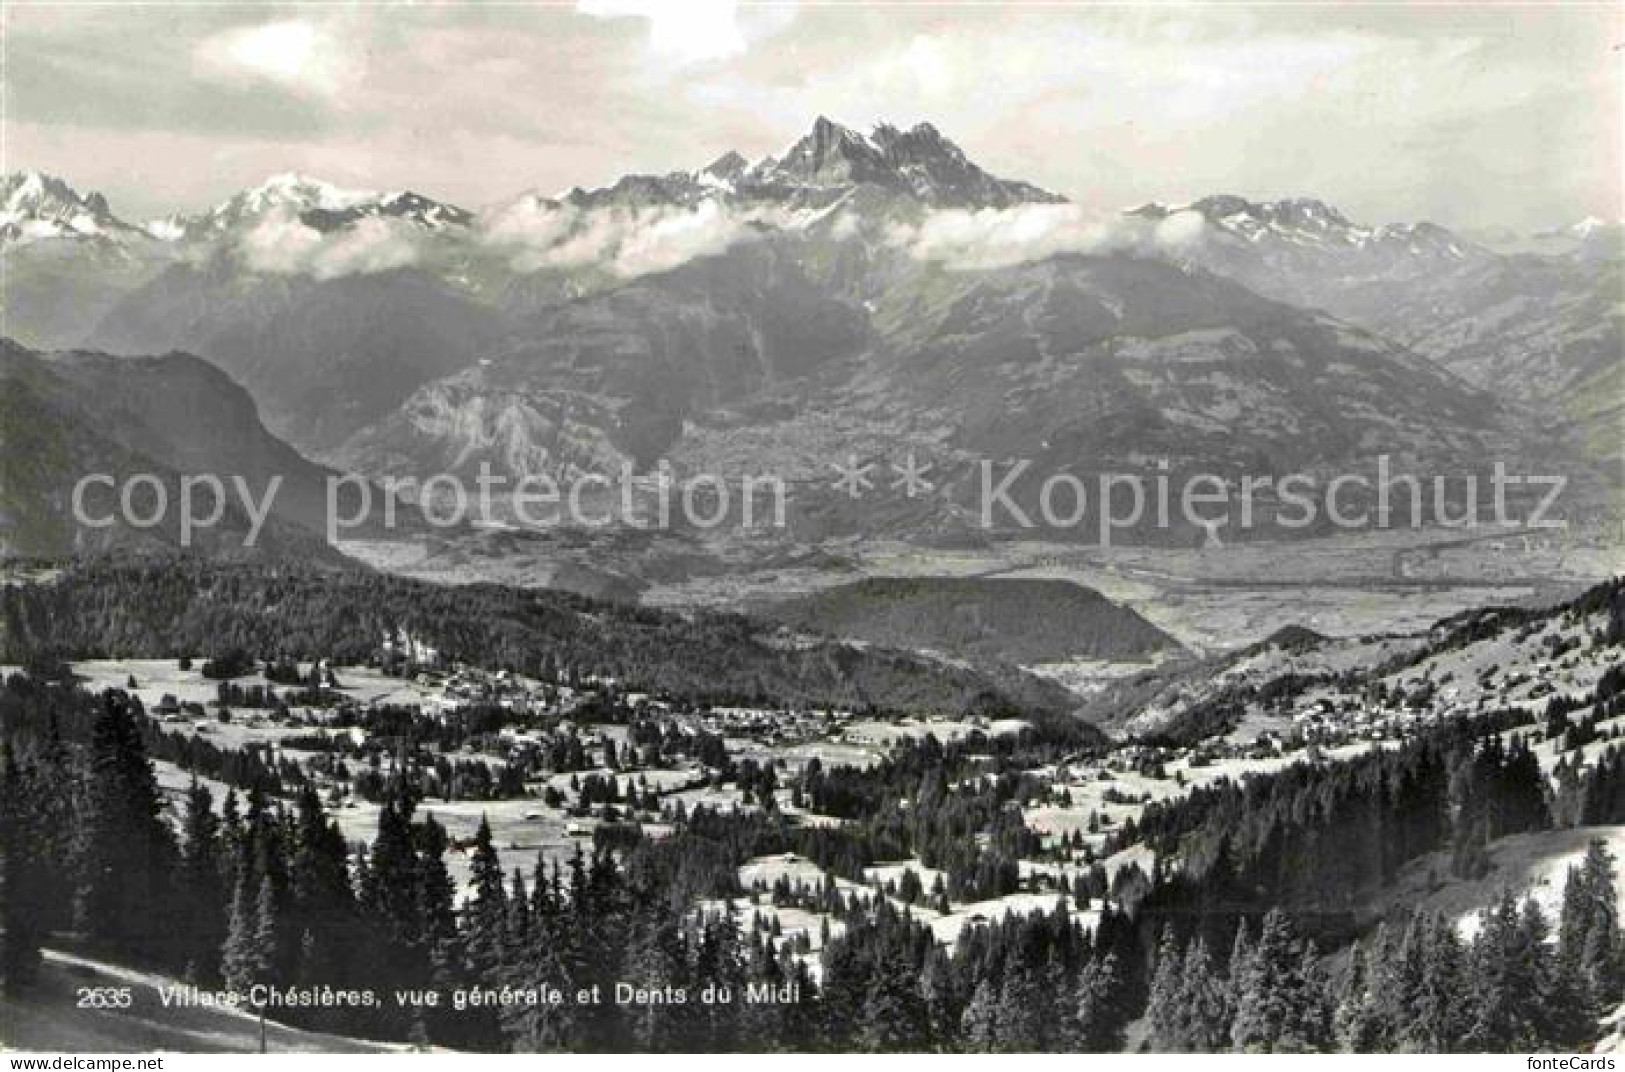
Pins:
x,y
769,726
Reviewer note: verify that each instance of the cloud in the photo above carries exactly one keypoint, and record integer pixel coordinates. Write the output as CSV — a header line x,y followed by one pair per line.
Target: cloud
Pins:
x,y
1000,238
532,234
536,234
687,33
297,54
1180,230
282,245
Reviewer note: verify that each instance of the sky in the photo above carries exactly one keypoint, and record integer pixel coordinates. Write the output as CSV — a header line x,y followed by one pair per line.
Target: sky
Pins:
x,y
1473,116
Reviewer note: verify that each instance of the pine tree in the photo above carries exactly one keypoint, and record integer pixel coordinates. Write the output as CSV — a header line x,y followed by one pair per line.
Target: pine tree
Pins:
x,y
1207,1003
1510,978
1022,1015
126,848
1281,1004
1440,1019
250,949
21,916
939,985
439,950
657,958
1589,941
1165,1007
978,1024
323,901
894,1014
1352,1018
1099,1016
202,883
485,918
517,930
1396,985
1241,954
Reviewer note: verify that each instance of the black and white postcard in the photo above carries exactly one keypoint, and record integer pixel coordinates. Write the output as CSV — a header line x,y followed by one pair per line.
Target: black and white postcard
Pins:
x,y
709,527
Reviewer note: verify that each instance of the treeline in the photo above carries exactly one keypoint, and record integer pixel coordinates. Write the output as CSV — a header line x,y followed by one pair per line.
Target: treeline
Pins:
x,y
1317,840
1483,623
258,890
146,608
1590,795
1414,986
253,891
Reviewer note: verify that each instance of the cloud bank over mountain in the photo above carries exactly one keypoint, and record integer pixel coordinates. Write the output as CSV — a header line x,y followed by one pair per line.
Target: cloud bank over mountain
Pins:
x,y
280,243
1000,238
535,234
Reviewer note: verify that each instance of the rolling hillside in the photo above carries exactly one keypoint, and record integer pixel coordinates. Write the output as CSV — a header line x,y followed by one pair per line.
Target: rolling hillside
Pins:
x,y
1016,621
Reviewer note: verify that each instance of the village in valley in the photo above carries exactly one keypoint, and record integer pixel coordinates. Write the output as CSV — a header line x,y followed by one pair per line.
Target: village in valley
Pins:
x,y
567,762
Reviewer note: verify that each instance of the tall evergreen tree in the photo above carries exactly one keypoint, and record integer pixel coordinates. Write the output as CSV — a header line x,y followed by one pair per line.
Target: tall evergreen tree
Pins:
x,y
1208,1009
485,917
1281,1004
202,884
1099,1016
1165,1006
22,915
979,1024
249,956
1440,1019
126,850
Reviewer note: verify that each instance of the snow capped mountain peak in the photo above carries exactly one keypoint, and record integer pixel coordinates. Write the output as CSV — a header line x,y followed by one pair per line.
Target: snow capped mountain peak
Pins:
x,y
831,155
317,204
28,186
1298,218
171,228
1586,229
298,190
919,161
35,205
1303,236
922,140
1425,238
410,205
1591,239
820,169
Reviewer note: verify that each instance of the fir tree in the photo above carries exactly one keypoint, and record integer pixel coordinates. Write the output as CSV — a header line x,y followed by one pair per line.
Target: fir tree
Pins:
x,y
1165,1007
894,1013
1353,1018
1440,1019
978,1025
1207,1002
250,949
1281,1004
126,849
22,913
1099,1016
202,884
485,918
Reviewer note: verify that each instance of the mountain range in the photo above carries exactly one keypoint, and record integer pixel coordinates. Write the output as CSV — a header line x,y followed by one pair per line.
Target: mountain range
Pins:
x,y
865,293
68,415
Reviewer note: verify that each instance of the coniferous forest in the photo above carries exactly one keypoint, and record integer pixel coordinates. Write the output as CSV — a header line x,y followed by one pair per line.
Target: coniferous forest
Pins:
x,y
1241,925
252,890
